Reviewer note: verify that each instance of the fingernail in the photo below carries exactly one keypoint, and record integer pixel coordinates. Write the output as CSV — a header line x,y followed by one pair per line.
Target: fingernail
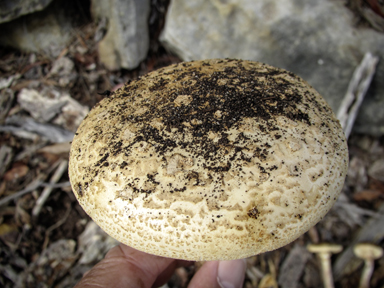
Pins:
x,y
230,274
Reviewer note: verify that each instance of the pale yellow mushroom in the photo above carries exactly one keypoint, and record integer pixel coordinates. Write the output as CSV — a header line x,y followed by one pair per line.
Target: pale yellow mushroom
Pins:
x,y
369,253
209,160
324,252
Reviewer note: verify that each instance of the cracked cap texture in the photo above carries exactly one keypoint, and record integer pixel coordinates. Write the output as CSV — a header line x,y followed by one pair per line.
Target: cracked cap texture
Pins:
x,y
209,160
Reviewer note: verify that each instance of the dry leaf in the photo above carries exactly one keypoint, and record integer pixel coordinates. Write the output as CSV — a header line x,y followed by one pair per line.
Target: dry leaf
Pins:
x,y
368,195
58,148
6,229
268,281
17,171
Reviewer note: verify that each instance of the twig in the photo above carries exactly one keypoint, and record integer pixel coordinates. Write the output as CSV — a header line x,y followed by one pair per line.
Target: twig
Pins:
x,y
57,185
56,225
31,187
254,274
357,89
47,190
30,127
20,132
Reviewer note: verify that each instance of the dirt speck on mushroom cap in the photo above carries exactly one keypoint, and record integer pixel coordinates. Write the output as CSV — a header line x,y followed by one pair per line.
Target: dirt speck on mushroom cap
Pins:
x,y
205,160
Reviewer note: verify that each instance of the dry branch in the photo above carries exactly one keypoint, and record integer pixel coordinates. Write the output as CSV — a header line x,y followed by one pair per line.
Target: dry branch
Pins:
x,y
48,189
358,86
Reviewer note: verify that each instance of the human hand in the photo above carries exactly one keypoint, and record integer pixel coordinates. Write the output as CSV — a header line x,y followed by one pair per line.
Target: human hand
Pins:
x,y
124,266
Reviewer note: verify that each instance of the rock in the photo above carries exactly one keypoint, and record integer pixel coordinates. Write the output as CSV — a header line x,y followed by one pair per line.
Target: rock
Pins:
x,y
48,31
317,40
126,42
51,105
41,108
11,9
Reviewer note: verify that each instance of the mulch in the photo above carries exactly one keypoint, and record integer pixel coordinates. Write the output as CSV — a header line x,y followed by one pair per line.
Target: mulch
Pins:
x,y
46,242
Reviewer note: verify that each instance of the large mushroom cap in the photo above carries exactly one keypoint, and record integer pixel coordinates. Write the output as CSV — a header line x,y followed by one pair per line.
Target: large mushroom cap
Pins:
x,y
214,159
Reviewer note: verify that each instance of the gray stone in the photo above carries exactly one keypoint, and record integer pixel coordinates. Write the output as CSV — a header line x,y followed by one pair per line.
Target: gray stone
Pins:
x,y
317,40
48,31
126,42
12,9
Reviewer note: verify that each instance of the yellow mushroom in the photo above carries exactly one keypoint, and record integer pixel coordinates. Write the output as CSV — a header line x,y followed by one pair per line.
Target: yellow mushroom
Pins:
x,y
369,253
324,252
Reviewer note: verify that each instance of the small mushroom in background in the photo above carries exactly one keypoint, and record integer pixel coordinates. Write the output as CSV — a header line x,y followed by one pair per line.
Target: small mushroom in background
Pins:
x,y
209,160
324,252
369,253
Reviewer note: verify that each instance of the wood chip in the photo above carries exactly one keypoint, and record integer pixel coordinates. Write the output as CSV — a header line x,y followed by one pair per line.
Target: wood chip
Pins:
x,y
269,281
6,154
372,232
17,171
6,100
293,267
368,195
94,243
350,213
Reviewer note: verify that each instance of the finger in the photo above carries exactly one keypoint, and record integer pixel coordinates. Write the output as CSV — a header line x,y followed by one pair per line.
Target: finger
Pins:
x,y
168,272
220,274
124,266
230,274
206,276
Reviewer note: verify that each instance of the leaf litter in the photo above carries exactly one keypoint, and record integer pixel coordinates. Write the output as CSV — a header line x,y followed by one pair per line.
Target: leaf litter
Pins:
x,y
47,240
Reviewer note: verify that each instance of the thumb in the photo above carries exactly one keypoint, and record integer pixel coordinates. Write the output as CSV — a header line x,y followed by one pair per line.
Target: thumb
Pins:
x,y
124,266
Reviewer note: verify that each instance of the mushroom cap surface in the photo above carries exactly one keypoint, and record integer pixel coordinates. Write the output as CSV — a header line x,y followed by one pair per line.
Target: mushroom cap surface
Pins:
x,y
209,160
368,251
325,248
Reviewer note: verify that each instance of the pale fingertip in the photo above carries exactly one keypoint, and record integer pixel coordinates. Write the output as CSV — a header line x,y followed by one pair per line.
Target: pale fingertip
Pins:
x,y
230,274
